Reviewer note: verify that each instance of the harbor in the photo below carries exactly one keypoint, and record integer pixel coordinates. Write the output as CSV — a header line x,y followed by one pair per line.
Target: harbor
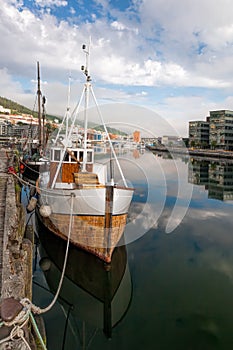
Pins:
x,y
116,175
131,300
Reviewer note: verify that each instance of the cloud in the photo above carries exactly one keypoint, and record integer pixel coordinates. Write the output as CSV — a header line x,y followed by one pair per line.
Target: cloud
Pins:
x,y
51,3
124,62
181,27
147,46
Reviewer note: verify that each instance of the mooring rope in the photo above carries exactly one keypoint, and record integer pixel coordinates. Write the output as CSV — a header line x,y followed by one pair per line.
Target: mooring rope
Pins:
x,y
17,331
35,327
36,309
28,307
47,192
27,166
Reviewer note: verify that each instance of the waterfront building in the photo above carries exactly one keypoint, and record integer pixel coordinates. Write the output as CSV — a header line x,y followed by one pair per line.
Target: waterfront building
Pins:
x,y
198,172
137,136
170,140
4,126
199,133
221,129
220,181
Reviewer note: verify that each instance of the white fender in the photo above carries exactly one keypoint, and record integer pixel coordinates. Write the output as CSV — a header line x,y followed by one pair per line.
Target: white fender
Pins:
x,y
45,211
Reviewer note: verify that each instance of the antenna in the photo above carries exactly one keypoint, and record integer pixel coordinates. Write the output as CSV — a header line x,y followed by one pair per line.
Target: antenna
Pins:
x,y
85,69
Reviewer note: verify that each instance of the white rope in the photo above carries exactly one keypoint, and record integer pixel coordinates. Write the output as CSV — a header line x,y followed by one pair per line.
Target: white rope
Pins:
x,y
37,310
22,318
47,192
18,323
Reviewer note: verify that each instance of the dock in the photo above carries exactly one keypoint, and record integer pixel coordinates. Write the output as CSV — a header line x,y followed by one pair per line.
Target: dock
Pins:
x,y
204,153
16,259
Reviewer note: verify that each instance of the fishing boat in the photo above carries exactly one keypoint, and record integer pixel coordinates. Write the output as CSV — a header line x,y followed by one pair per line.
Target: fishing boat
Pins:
x,y
79,199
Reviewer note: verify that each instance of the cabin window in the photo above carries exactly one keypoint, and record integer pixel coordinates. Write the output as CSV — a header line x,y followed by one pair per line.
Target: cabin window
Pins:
x,y
66,158
76,155
51,154
57,154
89,157
81,156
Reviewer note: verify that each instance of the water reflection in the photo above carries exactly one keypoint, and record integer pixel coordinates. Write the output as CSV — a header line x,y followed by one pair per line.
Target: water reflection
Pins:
x,y
98,294
216,176
182,282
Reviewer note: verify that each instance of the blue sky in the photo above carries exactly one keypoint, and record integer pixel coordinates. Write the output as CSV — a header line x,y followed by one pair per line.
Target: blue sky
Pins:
x,y
173,57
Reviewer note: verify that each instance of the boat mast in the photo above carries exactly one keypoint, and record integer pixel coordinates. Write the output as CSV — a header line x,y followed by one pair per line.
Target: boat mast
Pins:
x,y
68,107
43,123
85,70
40,135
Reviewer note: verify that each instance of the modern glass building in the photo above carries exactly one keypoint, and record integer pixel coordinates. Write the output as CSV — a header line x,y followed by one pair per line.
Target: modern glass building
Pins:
x,y
221,129
199,133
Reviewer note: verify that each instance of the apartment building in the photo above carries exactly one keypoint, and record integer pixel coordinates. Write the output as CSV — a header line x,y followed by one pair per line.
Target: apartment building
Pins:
x,y
199,133
216,132
221,129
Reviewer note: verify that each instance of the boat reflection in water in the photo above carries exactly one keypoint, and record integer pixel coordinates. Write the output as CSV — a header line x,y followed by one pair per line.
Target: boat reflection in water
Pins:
x,y
99,293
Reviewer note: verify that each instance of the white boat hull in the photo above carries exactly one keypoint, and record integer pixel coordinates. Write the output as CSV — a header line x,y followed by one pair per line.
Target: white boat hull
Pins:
x,y
88,201
97,223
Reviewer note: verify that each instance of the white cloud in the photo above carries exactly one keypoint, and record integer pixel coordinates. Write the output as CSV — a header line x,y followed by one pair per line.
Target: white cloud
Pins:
x,y
155,43
51,3
72,11
14,90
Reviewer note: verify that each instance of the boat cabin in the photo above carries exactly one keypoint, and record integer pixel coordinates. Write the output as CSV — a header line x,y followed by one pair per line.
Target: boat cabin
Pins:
x,y
72,155
63,165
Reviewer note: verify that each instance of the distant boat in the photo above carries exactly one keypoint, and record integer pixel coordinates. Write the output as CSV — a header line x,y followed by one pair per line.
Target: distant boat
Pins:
x,y
99,293
77,188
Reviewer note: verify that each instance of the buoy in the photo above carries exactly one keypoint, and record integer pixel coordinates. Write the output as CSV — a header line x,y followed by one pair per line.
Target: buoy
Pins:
x,y
45,264
45,211
32,204
21,168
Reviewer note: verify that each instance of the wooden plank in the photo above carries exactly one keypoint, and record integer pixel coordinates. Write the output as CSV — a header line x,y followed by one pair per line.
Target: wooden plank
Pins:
x,y
86,179
89,232
68,170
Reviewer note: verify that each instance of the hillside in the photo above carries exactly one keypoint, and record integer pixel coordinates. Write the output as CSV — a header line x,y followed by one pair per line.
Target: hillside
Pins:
x,y
14,106
19,109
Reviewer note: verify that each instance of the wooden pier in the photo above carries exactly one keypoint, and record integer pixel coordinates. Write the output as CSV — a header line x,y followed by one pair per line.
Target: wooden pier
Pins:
x,y
3,186
16,259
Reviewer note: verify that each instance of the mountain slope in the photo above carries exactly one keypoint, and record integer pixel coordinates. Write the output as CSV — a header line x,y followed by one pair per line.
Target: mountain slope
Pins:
x,y
19,109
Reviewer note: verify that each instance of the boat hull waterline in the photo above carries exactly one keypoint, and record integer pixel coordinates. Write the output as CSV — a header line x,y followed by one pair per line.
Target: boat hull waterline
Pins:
x,y
98,221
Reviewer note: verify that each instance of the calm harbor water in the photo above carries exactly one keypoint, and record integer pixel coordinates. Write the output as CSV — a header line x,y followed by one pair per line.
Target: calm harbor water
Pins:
x,y
170,288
